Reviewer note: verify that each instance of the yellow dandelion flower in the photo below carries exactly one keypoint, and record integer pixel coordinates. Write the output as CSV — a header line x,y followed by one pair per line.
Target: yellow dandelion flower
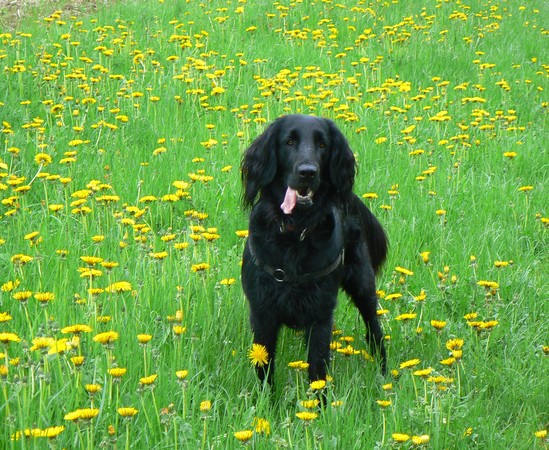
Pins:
x,y
541,434
200,267
56,207
425,256
90,273
403,271
82,414
42,159
310,404
91,260
118,372
470,316
298,365
423,373
410,363
127,411
144,338
41,343
262,426
6,338
488,325
258,355
10,286
159,255
406,316
384,403
348,351
119,286
400,437
20,259
106,338
205,406
438,324
31,236
317,385
420,440
242,233
178,329
5,317
78,360
500,264
181,374
148,380
448,361
52,432
210,237
244,435
306,416
92,388
183,185
488,284
148,199
455,344
44,297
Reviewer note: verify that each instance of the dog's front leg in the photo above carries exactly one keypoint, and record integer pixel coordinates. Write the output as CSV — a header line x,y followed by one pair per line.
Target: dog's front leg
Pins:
x,y
265,331
319,336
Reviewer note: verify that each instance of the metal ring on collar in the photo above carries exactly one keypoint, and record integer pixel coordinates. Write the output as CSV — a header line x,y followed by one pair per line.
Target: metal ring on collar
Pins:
x,y
279,275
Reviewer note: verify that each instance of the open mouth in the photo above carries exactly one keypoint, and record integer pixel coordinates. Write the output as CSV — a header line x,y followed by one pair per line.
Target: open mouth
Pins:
x,y
303,197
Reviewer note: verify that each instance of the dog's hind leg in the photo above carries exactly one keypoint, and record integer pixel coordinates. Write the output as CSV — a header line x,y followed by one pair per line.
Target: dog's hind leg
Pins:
x,y
374,333
360,285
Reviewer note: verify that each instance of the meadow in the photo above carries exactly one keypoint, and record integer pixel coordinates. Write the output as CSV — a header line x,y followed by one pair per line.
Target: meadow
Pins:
x,y
122,319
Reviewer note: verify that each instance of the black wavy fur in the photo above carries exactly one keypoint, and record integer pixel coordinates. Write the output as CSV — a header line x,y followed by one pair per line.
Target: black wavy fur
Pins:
x,y
310,156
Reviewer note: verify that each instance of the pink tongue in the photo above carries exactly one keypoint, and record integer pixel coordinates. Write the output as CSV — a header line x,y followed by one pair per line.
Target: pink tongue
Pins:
x,y
290,200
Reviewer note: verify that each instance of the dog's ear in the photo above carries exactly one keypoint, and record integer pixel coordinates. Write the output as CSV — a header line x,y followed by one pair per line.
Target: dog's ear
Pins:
x,y
259,164
342,168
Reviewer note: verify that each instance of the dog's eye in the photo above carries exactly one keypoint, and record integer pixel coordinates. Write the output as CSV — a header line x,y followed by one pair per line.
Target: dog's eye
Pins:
x,y
322,145
290,142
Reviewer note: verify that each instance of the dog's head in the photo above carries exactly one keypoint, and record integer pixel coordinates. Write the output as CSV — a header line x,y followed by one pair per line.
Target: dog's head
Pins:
x,y
297,156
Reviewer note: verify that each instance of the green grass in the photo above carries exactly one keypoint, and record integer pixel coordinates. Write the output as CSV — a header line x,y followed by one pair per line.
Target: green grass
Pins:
x,y
109,89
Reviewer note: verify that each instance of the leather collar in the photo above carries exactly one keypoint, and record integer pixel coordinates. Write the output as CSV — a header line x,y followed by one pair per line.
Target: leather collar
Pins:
x,y
281,276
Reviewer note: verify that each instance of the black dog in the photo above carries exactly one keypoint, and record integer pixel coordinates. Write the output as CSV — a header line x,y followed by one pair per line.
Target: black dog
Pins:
x,y
309,235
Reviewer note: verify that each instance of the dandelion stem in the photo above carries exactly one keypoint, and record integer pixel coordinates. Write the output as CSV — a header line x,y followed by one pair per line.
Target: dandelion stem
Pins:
x,y
204,434
36,174
384,425
184,403
415,387
459,380
127,436
145,412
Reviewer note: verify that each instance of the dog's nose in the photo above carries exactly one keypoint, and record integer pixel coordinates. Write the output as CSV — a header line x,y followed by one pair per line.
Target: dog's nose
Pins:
x,y
307,171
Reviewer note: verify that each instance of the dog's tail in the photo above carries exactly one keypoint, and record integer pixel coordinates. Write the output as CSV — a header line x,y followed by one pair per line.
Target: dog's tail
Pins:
x,y
375,235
